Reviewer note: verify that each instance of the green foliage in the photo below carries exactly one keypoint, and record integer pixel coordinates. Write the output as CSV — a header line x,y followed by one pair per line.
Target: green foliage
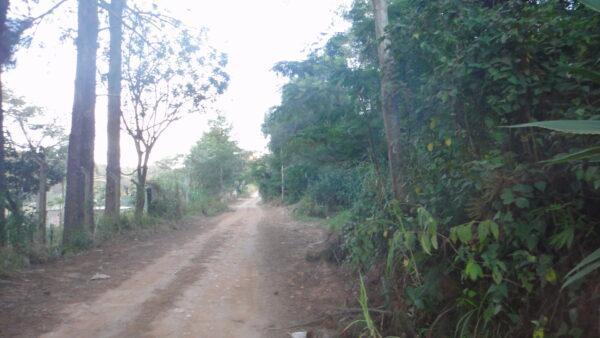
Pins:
x,y
588,265
205,204
593,4
308,207
369,330
216,164
263,173
583,127
591,153
11,261
335,187
337,222
486,229
167,196
80,241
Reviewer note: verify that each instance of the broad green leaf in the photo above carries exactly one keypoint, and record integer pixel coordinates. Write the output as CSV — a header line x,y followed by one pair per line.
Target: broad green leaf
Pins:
x,y
522,202
488,227
563,238
541,185
453,235
592,4
463,232
434,241
583,127
473,270
594,256
507,196
483,230
497,275
428,237
523,188
425,241
494,229
589,153
586,266
409,239
582,273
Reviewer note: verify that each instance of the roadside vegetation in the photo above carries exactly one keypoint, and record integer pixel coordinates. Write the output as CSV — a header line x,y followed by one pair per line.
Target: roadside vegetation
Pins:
x,y
478,230
170,196
451,146
156,71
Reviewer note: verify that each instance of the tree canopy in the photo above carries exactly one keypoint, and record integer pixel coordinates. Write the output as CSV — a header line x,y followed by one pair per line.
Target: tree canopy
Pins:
x,y
216,164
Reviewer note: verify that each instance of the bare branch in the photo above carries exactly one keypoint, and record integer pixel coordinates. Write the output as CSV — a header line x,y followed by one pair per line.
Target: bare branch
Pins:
x,y
48,12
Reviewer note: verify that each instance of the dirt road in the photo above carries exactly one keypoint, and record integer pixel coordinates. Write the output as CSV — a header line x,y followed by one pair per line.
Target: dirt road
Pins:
x,y
241,274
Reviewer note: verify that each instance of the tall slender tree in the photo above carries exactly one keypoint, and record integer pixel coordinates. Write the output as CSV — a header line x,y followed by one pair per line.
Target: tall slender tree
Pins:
x,y
79,205
3,189
41,141
5,53
3,11
113,168
389,96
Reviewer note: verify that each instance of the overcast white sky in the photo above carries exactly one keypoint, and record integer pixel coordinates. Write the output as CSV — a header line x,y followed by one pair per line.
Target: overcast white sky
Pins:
x,y
254,34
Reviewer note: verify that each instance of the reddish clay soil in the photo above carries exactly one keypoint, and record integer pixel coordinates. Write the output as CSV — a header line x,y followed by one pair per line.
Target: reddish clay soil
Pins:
x,y
241,274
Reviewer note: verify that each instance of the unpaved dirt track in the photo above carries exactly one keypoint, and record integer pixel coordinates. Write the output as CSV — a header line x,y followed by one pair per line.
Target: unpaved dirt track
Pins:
x,y
242,276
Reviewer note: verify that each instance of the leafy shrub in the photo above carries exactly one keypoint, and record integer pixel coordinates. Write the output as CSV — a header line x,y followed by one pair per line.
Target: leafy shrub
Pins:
x,y
11,261
308,207
486,231
80,241
335,188
167,201
341,219
205,204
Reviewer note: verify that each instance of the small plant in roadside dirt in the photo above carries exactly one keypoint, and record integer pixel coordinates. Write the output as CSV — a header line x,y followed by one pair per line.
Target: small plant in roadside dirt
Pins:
x,y
369,329
80,241
207,206
11,261
107,227
308,207
337,222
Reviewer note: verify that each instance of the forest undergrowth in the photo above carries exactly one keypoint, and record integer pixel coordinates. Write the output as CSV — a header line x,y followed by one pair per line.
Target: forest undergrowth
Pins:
x,y
497,229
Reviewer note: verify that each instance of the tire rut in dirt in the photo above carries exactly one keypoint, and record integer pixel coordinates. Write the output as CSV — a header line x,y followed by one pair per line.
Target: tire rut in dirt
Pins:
x,y
166,298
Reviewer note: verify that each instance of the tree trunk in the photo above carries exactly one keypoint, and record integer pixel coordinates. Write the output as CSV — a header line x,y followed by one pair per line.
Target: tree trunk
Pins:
x,y
221,188
389,97
140,194
113,167
61,216
282,183
282,176
41,202
79,206
3,187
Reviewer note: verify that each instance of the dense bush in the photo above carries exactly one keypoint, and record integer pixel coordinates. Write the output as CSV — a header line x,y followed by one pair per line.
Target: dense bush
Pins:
x,y
486,232
216,164
335,188
167,200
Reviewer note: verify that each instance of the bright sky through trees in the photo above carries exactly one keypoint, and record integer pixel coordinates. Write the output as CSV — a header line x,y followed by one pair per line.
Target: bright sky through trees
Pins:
x,y
255,35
